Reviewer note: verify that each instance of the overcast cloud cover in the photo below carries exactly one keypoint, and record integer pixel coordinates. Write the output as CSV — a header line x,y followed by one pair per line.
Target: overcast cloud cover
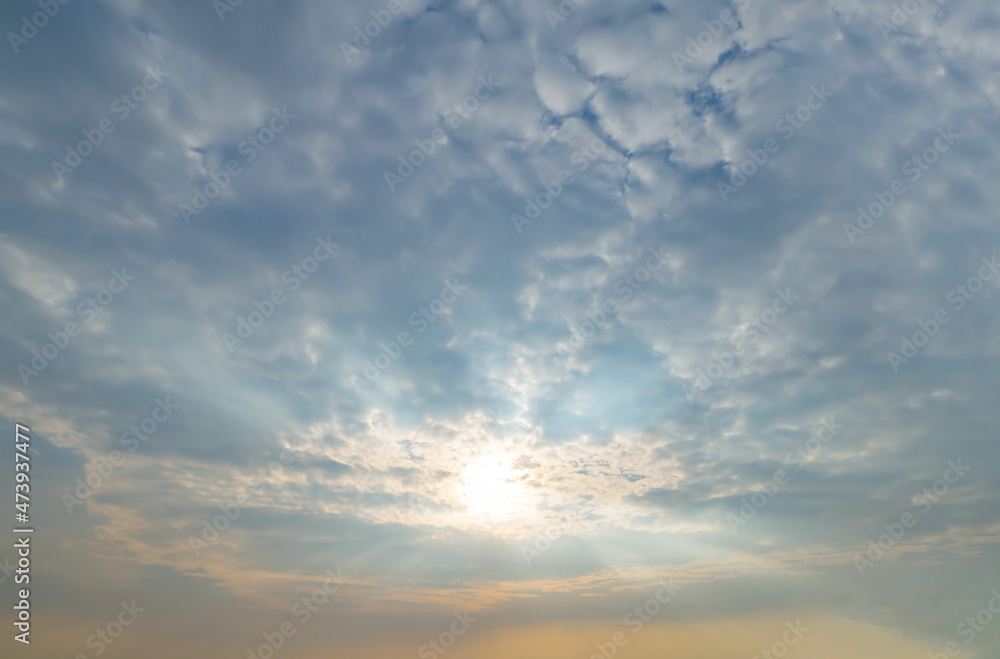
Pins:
x,y
619,325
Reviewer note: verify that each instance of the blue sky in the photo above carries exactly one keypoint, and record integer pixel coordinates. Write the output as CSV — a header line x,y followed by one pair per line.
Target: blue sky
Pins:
x,y
504,307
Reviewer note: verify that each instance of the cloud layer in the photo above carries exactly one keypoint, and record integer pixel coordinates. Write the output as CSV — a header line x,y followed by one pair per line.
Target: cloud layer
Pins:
x,y
641,254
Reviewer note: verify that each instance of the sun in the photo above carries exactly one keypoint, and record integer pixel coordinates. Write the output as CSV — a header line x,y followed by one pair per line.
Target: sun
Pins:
x,y
491,488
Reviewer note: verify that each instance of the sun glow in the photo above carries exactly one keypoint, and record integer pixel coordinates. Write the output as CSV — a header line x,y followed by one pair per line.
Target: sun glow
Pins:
x,y
491,488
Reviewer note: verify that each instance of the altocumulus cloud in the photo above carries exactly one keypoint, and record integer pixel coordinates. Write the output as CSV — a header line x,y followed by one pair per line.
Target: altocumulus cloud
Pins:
x,y
486,430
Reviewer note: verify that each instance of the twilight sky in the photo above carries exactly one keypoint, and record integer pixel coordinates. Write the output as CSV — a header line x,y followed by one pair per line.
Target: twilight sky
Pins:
x,y
503,328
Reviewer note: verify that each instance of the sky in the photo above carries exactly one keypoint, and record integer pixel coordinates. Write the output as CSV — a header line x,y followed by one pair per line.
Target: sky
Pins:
x,y
491,328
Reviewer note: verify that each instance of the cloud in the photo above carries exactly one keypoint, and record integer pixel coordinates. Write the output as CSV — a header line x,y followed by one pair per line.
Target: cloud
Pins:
x,y
603,435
